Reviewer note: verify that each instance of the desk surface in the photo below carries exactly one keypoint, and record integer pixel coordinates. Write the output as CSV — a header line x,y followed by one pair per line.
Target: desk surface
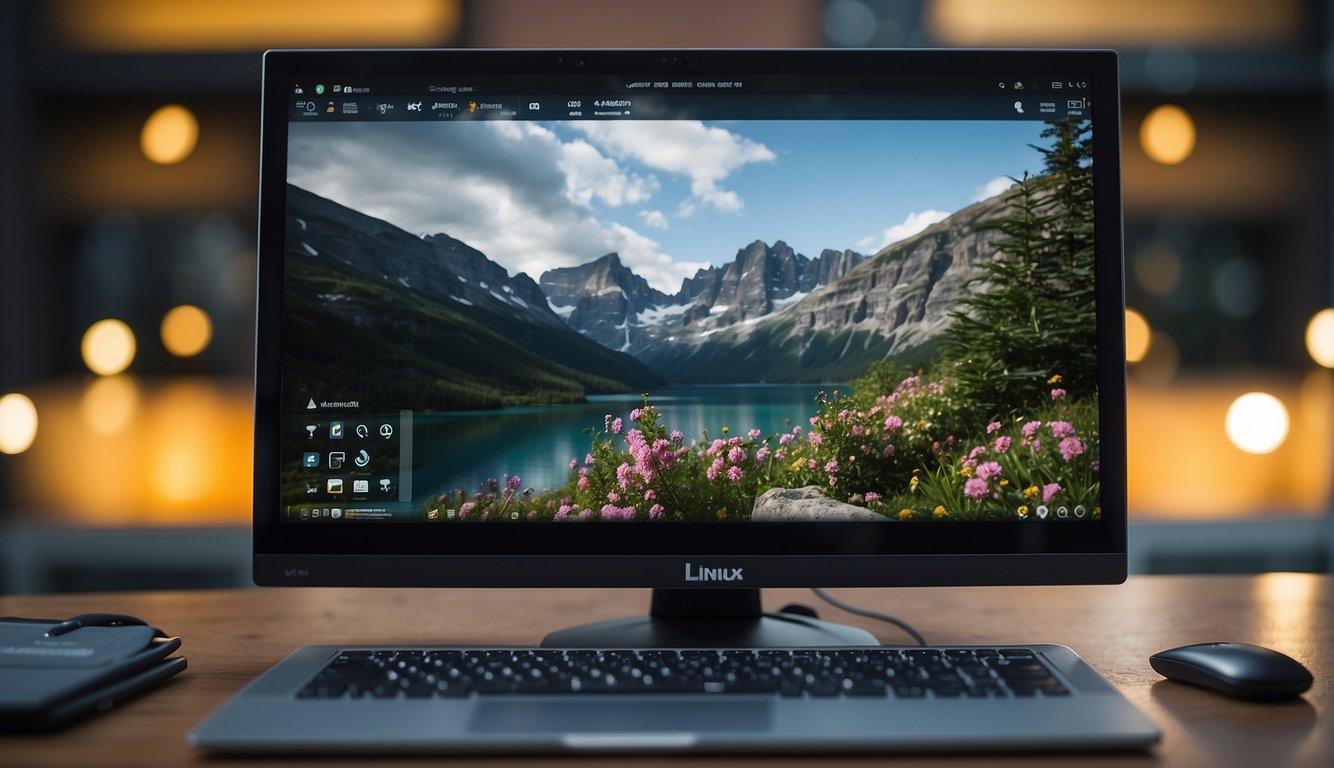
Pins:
x,y
232,636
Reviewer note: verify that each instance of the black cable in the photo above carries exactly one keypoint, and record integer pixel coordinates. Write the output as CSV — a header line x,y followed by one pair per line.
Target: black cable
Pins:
x,y
842,606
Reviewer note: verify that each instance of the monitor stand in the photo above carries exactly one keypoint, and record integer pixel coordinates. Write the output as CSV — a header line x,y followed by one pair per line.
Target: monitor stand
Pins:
x,y
709,618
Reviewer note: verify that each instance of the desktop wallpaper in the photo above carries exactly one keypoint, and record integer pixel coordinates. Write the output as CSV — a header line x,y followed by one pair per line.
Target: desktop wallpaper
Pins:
x,y
668,320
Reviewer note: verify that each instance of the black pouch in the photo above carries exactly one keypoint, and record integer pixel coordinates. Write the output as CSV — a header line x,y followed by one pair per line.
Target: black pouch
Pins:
x,y
52,672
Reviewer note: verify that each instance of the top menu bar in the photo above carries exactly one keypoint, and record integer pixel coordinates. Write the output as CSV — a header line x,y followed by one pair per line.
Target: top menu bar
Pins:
x,y
318,98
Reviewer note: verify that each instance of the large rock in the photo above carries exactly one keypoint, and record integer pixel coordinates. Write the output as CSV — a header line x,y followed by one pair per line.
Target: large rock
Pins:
x,y
809,504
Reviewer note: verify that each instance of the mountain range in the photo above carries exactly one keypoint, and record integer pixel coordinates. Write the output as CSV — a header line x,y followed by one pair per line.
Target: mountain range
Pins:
x,y
465,333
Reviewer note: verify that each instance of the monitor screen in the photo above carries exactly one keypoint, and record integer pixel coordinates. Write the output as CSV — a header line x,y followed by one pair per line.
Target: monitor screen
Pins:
x,y
633,318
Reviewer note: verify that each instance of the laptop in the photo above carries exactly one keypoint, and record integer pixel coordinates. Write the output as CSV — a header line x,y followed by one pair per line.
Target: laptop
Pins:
x,y
703,322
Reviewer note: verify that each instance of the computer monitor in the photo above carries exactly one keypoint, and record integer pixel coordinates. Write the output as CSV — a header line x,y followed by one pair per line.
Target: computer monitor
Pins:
x,y
699,321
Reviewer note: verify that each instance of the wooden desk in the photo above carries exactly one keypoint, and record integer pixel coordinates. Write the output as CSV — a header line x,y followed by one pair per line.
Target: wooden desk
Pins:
x,y
232,636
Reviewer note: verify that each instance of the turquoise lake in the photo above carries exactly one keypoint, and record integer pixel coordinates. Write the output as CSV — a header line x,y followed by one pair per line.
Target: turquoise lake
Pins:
x,y
463,450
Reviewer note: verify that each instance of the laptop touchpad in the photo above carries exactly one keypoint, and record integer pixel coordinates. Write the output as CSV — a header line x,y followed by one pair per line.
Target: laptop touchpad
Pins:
x,y
608,716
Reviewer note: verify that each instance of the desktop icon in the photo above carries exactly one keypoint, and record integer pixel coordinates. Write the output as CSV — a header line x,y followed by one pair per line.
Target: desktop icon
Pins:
x,y
311,405
1062,513
1043,511
305,514
310,459
363,430
336,459
1019,107
335,513
362,458
1080,511
334,485
336,430
384,485
432,514
361,486
386,431
312,487
310,431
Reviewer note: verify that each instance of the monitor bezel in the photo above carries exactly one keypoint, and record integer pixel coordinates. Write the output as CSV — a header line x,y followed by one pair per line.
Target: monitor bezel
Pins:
x,y
600,554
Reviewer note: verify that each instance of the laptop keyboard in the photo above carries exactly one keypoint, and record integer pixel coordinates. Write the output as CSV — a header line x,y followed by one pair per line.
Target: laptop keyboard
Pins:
x,y
910,673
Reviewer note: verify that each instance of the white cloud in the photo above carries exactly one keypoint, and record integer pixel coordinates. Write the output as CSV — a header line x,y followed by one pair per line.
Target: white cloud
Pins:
x,y
914,223
654,219
514,191
992,188
705,155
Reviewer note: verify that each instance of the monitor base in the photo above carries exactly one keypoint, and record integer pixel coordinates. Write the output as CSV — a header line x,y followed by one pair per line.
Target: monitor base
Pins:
x,y
706,618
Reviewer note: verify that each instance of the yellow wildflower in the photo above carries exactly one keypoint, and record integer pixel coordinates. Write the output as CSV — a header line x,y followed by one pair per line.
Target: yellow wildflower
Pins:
x,y
1030,491
1054,379
939,511
1097,513
794,466
967,471
912,484
722,513
1004,482
905,514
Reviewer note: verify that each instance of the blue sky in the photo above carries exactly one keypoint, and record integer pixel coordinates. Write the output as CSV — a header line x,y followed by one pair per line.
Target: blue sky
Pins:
x,y
670,197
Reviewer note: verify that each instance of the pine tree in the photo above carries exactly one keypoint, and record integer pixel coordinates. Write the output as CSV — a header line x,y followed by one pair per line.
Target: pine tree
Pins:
x,y
1034,317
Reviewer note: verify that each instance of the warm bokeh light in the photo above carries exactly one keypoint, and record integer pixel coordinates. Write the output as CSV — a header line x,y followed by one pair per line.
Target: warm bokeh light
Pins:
x,y
1168,134
186,330
183,457
1137,336
18,423
250,25
109,404
1124,23
1161,361
1257,422
1179,465
108,347
169,135
1320,337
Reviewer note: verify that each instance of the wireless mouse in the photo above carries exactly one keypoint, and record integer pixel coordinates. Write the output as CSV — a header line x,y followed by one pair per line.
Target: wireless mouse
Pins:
x,y
1241,671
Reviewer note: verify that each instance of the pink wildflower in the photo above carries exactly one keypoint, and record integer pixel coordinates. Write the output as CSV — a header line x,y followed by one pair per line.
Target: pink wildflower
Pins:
x,y
893,422
734,474
588,459
1029,429
1060,429
616,426
736,455
714,469
650,494
754,434
585,513
815,438
514,483
678,436
872,497
1071,447
1049,492
613,496
975,488
636,413
1057,393
1002,444
582,483
762,455
785,439
993,426
573,463
467,507
858,430
889,449
831,466
655,512
988,470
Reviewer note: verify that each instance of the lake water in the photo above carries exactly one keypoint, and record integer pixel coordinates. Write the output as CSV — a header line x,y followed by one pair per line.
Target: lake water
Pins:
x,y
462,450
